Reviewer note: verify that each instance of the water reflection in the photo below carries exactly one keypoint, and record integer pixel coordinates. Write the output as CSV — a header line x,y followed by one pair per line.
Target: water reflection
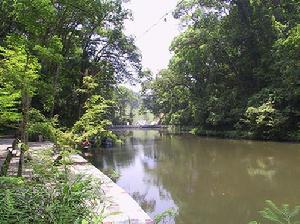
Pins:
x,y
147,205
208,180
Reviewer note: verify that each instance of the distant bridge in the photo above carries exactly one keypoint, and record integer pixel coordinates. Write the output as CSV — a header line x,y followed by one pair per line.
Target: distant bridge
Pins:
x,y
155,126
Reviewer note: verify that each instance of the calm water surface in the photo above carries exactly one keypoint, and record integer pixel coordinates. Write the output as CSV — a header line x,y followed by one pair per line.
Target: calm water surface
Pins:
x,y
209,181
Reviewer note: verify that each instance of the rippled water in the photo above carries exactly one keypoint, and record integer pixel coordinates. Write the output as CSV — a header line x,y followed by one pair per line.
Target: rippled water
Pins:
x,y
209,181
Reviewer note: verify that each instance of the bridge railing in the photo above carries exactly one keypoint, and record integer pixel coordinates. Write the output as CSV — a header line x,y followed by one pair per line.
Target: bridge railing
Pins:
x,y
137,126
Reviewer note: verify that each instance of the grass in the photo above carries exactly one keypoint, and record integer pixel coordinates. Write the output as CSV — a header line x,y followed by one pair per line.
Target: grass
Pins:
x,y
50,197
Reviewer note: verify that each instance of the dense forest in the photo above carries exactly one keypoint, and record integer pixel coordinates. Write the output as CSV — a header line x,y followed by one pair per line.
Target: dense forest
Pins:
x,y
60,65
235,70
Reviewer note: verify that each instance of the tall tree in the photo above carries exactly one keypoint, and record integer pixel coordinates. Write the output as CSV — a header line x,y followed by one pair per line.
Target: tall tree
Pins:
x,y
72,40
20,71
237,60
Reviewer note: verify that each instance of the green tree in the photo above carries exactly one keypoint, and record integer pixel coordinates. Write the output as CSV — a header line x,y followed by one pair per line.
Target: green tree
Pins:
x,y
9,99
126,102
95,120
235,61
72,40
20,71
71,52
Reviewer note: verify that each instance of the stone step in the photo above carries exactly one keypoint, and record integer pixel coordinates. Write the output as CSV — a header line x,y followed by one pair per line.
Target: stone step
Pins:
x,y
13,167
3,155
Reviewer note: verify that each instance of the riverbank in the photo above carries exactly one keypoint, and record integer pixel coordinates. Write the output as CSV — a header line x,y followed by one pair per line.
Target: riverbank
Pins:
x,y
109,202
234,134
117,206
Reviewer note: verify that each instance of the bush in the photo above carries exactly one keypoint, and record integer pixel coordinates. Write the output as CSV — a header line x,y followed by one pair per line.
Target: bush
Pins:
x,y
221,134
94,122
40,125
166,216
32,202
282,215
265,121
294,136
51,197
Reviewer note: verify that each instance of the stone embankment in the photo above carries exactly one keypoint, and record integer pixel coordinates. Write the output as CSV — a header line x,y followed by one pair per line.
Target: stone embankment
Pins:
x,y
117,206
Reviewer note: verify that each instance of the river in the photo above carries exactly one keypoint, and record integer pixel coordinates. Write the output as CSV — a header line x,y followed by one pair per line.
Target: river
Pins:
x,y
208,180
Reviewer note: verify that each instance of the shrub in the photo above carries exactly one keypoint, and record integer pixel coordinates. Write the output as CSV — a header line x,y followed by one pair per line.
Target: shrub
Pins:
x,y
40,125
33,202
50,197
265,121
166,216
95,120
281,215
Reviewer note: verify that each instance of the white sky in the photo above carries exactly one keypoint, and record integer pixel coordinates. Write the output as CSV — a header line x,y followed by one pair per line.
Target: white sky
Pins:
x,y
154,45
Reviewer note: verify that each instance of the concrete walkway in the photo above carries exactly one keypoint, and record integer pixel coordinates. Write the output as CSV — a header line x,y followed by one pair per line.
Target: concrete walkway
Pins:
x,y
4,143
119,206
116,204
14,161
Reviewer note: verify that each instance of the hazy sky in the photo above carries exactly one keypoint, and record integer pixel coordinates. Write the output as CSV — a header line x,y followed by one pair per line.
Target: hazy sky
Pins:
x,y
154,45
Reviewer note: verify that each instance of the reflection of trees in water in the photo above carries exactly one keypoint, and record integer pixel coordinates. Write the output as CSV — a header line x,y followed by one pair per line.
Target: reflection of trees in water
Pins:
x,y
152,152
262,167
146,204
135,140
210,178
113,157
123,155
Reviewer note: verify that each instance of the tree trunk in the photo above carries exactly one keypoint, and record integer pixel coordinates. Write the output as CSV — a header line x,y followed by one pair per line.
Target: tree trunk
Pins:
x,y
54,86
26,99
82,97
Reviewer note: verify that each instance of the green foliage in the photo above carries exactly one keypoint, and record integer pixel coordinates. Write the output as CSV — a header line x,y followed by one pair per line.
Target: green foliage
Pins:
x,y
19,69
165,216
235,68
295,135
282,215
9,99
112,174
56,55
35,203
94,121
51,197
18,75
39,125
59,58
265,121
164,96
126,102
